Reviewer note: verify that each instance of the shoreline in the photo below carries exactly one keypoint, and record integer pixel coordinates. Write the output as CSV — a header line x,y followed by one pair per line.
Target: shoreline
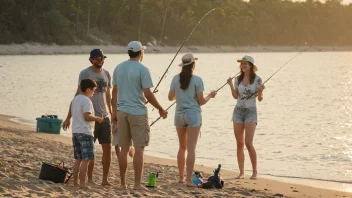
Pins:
x,y
263,186
40,49
313,182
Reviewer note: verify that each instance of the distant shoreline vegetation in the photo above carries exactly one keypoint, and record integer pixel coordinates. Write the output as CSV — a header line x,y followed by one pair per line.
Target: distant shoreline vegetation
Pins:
x,y
40,49
168,22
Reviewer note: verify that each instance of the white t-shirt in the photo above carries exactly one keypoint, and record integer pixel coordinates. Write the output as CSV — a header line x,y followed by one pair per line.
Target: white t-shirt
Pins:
x,y
80,105
244,92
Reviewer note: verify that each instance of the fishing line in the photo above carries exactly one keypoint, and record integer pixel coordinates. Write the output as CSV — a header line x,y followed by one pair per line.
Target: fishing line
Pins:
x,y
238,74
276,73
167,69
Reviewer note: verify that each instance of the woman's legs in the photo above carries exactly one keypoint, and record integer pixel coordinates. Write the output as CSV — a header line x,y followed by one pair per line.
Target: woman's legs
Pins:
x,y
181,156
192,138
250,129
239,134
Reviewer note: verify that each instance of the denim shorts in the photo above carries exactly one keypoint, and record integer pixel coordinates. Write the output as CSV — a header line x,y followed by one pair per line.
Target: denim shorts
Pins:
x,y
188,119
83,146
243,115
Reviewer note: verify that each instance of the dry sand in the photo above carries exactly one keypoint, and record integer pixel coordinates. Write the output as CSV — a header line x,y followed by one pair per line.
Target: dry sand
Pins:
x,y
22,151
37,49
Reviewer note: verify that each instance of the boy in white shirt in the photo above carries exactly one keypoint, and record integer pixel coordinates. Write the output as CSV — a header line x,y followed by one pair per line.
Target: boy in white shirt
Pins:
x,y
82,130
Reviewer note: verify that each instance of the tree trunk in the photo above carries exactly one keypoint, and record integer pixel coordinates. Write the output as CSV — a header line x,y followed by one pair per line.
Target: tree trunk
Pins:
x,y
77,19
88,23
163,25
140,26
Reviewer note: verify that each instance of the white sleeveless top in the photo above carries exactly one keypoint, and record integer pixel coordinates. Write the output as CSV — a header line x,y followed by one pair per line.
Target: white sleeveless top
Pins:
x,y
244,92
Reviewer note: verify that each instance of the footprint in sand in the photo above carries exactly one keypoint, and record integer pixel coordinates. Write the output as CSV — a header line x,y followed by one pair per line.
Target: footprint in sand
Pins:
x,y
3,190
43,194
59,189
232,189
245,193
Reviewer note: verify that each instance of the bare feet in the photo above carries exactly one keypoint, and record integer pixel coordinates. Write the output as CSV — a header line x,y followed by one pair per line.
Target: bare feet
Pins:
x,y
240,176
254,175
75,181
124,187
190,184
181,180
83,186
106,183
140,187
91,182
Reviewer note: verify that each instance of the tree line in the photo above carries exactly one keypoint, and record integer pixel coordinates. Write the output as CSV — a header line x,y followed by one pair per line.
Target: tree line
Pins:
x,y
168,22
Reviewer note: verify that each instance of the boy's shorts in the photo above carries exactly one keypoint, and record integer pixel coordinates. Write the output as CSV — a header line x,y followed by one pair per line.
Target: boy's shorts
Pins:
x,y
83,146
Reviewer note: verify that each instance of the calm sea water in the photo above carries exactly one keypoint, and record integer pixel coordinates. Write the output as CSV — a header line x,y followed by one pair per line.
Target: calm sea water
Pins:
x,y
304,128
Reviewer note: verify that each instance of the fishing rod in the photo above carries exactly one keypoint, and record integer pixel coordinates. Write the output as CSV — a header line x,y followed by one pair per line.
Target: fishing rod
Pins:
x,y
167,69
160,116
226,82
175,102
235,76
276,73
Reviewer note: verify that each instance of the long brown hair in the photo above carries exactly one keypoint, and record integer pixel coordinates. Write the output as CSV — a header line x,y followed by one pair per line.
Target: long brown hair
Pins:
x,y
252,75
186,75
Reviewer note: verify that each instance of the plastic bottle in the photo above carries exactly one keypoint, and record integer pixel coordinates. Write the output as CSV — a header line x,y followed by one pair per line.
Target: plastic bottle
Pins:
x,y
196,180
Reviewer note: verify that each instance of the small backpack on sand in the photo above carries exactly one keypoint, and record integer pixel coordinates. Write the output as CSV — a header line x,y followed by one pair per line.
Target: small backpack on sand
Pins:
x,y
214,181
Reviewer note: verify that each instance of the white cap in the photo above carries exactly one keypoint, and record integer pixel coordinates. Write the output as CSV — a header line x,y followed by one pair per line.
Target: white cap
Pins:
x,y
187,59
136,46
248,59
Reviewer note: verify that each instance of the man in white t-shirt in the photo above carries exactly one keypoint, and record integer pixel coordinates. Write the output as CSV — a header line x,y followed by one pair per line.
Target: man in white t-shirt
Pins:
x,y
82,130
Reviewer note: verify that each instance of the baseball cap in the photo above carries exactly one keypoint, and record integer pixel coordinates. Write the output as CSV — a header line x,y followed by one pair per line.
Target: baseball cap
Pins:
x,y
136,46
187,59
248,59
96,52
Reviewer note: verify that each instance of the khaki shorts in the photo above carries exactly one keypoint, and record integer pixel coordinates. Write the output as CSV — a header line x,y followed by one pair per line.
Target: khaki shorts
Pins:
x,y
132,128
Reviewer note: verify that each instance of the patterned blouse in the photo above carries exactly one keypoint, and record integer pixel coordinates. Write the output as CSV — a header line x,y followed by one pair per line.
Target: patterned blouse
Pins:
x,y
244,93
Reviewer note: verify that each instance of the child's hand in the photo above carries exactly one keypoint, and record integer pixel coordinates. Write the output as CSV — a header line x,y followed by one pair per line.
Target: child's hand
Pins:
x,y
100,119
66,124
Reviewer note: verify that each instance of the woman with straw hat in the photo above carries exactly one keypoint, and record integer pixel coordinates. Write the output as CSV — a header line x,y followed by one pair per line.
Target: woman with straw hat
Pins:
x,y
187,89
246,88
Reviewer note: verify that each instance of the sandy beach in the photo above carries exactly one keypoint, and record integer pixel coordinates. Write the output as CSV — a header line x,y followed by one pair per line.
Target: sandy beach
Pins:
x,y
23,150
36,49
